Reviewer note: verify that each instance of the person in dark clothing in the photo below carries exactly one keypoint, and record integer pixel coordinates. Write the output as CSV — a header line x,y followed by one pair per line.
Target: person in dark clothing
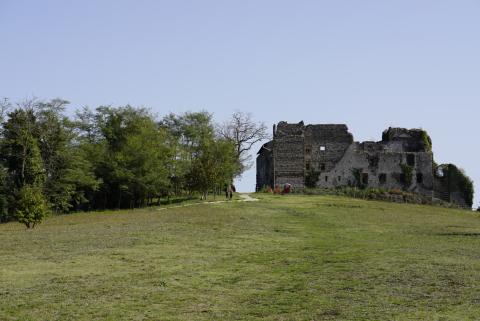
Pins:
x,y
229,191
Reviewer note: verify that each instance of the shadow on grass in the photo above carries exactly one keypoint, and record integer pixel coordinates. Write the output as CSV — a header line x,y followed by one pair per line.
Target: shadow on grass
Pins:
x,y
468,234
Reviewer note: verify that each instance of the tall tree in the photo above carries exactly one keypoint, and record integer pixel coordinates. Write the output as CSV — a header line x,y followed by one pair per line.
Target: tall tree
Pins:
x,y
69,175
244,132
186,133
214,166
5,105
132,156
20,149
24,165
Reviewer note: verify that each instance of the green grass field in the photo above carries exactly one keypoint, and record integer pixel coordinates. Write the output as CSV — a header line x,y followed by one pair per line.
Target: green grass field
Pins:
x,y
282,258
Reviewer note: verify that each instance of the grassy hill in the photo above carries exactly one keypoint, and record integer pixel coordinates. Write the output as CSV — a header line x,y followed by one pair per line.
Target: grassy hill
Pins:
x,y
283,258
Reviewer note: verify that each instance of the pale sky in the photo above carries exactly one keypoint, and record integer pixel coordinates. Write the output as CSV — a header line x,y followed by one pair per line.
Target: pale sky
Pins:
x,y
368,64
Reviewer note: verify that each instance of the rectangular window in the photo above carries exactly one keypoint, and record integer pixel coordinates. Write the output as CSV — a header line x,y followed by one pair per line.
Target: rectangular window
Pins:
x,y
410,159
323,148
322,167
326,178
382,178
307,166
307,150
419,178
339,178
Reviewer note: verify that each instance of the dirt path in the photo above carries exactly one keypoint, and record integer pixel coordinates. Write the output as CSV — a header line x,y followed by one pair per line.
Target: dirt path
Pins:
x,y
245,197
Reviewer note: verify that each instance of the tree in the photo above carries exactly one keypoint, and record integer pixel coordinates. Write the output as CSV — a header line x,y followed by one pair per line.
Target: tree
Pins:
x,y
186,134
5,106
131,157
24,167
214,166
4,215
244,133
31,207
20,150
69,176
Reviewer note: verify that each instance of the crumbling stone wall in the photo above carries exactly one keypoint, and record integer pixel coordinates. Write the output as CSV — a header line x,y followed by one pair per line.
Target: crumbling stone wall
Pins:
x,y
325,145
403,159
288,154
265,166
452,185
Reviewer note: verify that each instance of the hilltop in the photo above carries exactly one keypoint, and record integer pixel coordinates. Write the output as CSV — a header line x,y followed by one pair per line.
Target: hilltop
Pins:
x,y
290,257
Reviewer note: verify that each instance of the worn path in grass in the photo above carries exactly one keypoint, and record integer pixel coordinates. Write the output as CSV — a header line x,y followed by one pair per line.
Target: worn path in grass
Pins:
x,y
243,198
281,258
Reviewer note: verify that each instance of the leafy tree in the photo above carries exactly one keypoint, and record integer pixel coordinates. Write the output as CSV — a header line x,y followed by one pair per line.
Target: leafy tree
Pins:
x,y
4,215
105,158
24,167
186,134
132,157
214,166
5,105
69,175
20,150
31,207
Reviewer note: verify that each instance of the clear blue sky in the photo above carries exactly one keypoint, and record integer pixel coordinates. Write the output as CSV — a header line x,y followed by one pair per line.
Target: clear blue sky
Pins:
x,y
369,64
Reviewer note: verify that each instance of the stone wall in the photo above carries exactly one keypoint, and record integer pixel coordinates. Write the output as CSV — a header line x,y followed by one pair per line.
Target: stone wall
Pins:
x,y
288,154
375,166
325,145
265,166
403,159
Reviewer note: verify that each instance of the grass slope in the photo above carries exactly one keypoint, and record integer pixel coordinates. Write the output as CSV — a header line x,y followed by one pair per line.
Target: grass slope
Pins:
x,y
283,258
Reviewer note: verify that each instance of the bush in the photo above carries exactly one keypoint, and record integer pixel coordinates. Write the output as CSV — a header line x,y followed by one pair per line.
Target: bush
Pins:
x,y
460,182
407,172
311,179
267,189
31,206
357,175
427,141
393,195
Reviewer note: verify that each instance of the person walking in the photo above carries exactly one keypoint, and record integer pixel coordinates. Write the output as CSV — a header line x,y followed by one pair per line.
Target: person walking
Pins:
x,y
228,192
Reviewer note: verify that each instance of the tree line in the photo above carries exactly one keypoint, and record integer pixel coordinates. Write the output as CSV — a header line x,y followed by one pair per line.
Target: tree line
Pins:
x,y
113,157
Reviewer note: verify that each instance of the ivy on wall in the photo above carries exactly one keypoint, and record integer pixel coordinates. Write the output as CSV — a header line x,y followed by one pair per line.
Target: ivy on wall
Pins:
x,y
460,182
311,179
407,172
427,141
357,175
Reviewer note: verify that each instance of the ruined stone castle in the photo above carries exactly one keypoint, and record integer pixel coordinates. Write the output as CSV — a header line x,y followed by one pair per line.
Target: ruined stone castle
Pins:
x,y
328,157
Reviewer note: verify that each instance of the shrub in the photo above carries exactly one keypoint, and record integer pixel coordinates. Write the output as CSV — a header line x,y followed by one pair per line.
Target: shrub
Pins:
x,y
393,195
407,172
31,206
427,141
311,179
357,174
459,181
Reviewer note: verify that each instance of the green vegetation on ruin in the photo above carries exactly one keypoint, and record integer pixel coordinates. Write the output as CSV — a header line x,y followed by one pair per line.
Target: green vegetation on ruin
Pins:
x,y
407,172
427,141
